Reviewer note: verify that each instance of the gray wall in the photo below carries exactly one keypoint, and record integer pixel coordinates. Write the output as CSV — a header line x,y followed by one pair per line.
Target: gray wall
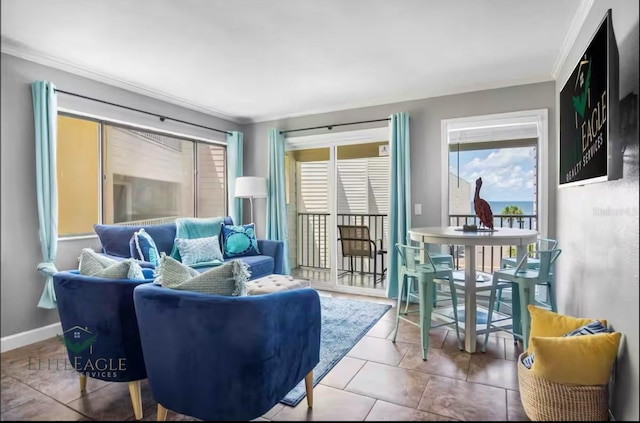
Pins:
x,y
597,224
21,284
424,117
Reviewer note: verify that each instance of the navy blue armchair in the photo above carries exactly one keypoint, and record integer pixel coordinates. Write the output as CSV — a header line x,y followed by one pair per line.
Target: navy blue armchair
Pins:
x,y
100,329
220,358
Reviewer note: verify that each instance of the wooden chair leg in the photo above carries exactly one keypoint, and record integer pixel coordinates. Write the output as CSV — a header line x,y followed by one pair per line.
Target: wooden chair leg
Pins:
x,y
83,383
162,413
135,391
308,385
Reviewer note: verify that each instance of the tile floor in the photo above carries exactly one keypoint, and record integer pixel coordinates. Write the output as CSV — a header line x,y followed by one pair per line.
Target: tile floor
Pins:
x,y
377,380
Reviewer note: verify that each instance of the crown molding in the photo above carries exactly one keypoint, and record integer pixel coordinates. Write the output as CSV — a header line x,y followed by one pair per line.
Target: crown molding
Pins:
x,y
572,35
385,101
40,58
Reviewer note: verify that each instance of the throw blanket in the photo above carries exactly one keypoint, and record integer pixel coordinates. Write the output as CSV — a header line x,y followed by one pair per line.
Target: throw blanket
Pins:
x,y
195,227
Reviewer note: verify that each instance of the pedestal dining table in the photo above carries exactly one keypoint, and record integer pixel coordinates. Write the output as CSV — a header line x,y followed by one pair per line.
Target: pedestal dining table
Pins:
x,y
451,235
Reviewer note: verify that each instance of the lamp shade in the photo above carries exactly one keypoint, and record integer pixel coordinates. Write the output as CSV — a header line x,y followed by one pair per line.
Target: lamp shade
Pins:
x,y
251,186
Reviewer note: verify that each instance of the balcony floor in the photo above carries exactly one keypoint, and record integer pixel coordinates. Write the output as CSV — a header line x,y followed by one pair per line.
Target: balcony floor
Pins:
x,y
345,279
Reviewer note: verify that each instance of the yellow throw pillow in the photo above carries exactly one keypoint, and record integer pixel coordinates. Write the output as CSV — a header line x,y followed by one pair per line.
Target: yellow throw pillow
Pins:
x,y
576,360
548,323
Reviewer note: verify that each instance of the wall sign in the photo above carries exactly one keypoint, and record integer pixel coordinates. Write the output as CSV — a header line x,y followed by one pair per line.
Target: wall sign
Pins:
x,y
589,142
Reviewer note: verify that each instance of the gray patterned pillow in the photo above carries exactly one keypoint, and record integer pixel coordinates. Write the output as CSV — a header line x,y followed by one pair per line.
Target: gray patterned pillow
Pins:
x,y
99,266
228,279
200,251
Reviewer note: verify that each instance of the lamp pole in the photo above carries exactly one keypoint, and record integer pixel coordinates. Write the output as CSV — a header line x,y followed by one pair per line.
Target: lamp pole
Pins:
x,y
251,206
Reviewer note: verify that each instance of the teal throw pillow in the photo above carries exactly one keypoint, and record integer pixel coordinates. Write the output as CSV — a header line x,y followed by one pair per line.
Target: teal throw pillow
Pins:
x,y
143,247
195,227
239,241
99,266
228,279
200,251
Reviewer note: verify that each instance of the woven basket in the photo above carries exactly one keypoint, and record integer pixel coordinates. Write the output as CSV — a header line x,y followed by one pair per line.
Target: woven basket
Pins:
x,y
549,401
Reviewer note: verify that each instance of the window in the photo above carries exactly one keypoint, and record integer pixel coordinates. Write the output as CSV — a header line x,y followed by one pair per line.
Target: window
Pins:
x,y
508,172
116,175
78,170
508,168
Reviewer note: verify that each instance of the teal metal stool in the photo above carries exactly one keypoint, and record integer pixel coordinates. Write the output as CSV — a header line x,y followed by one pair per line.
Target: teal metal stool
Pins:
x,y
412,291
533,263
523,282
428,275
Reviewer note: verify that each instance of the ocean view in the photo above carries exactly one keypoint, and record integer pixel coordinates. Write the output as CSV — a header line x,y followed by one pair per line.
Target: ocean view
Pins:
x,y
497,206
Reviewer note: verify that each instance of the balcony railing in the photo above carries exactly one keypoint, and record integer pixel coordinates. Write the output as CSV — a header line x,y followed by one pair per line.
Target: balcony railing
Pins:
x,y
313,239
314,249
488,257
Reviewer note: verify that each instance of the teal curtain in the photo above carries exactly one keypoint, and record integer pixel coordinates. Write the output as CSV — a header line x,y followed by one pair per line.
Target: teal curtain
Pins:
x,y
276,195
234,170
45,114
399,195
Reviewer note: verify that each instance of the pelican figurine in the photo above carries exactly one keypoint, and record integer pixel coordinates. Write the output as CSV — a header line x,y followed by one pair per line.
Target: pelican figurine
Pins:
x,y
482,208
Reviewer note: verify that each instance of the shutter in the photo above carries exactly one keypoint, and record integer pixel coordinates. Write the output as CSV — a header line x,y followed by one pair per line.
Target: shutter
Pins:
x,y
313,199
379,180
313,182
378,169
352,186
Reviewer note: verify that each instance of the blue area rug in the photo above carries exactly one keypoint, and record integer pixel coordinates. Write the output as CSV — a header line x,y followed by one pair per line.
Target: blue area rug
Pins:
x,y
344,322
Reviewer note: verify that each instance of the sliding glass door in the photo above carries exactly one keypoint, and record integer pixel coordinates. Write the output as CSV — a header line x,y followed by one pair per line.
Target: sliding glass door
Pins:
x,y
338,207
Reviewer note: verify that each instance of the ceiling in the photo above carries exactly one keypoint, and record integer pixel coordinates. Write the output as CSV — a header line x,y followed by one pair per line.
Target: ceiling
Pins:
x,y
253,60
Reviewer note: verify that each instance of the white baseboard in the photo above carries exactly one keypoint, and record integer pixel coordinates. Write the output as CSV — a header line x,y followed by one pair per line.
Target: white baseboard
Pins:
x,y
21,339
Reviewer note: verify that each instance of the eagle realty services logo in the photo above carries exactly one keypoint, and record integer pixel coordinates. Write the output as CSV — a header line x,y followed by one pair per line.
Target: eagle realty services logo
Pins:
x,y
79,342
78,339
590,116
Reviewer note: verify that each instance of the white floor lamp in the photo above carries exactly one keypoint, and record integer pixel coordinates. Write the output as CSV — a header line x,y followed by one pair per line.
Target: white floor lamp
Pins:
x,y
251,187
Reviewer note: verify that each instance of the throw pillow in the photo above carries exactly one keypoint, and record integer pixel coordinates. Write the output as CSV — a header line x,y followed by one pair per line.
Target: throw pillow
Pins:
x,y
143,247
96,265
200,252
576,360
229,279
239,241
588,329
196,227
548,323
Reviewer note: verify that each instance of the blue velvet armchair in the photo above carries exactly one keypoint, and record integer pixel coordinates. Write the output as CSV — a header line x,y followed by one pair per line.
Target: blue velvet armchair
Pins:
x,y
220,358
100,329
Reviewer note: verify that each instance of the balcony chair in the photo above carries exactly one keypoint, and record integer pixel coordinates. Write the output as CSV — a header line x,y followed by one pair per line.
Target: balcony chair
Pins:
x,y
533,263
522,281
356,241
219,358
99,323
427,275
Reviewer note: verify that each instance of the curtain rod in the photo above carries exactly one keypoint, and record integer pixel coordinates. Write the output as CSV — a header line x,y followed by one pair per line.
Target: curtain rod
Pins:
x,y
161,117
330,127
